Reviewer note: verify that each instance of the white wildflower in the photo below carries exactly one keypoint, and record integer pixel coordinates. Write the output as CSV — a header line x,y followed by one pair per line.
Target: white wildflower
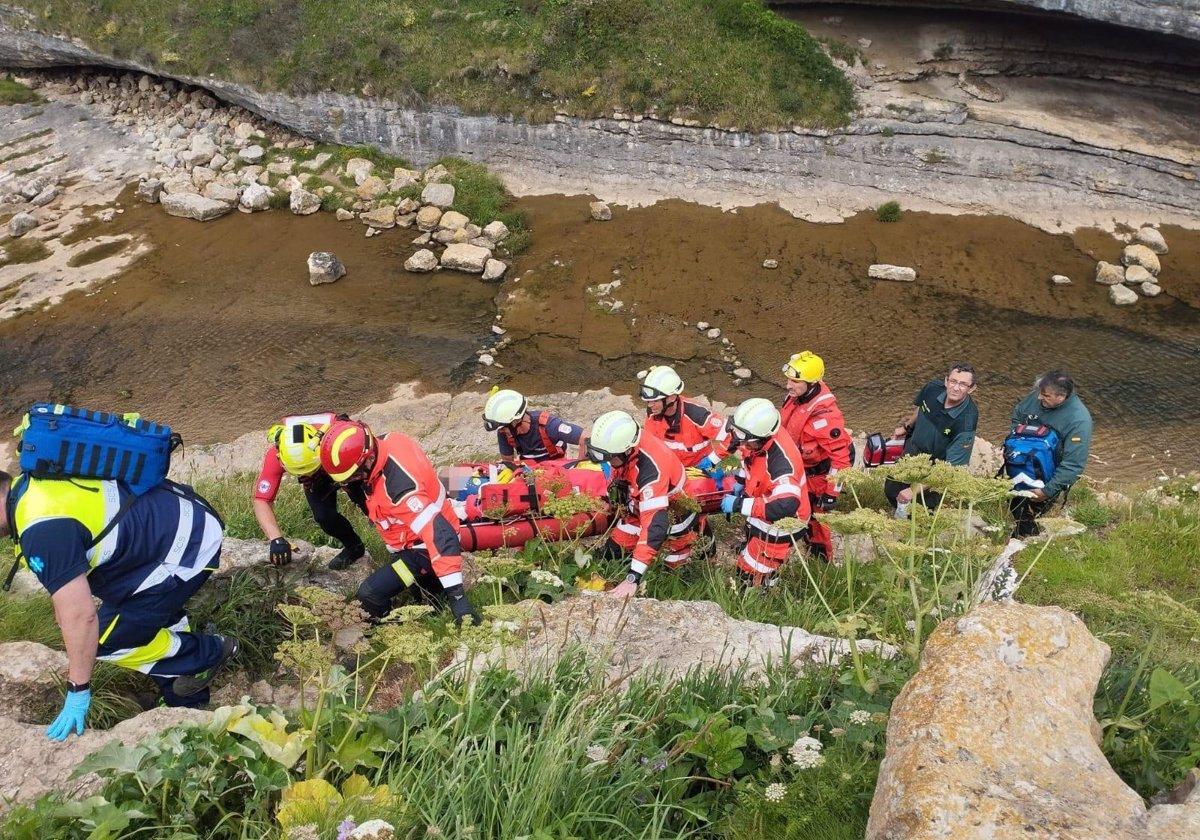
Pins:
x,y
775,792
776,760
596,753
860,717
910,625
582,558
806,753
837,732
492,579
545,578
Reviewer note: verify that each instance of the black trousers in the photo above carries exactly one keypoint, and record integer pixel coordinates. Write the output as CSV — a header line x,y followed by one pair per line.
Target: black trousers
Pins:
x,y
321,493
408,568
892,489
1025,513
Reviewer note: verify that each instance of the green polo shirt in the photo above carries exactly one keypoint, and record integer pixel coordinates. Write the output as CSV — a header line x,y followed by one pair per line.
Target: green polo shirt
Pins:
x,y
945,434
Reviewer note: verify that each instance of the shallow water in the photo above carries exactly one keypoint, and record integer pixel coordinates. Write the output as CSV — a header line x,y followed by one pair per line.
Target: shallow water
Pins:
x,y
218,330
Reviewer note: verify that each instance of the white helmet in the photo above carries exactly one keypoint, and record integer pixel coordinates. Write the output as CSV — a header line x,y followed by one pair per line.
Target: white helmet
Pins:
x,y
614,433
503,408
660,382
755,419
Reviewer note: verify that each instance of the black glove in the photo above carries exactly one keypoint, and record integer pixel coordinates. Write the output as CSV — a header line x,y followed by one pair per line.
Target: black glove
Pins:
x,y
461,606
618,493
824,503
281,551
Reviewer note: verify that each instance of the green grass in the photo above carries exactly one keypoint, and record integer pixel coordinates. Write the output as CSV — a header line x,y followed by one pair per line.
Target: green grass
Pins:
x,y
889,212
732,62
15,93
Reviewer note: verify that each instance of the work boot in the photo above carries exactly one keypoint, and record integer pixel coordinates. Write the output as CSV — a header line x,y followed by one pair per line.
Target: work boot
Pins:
x,y
190,684
345,558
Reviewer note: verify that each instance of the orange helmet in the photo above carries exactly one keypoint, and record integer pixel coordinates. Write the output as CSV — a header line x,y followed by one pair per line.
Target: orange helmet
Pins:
x,y
345,447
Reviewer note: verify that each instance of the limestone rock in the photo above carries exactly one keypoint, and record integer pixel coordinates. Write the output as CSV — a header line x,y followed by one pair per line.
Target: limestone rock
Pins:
x,y
30,679
494,270
600,211
1152,239
324,267
244,130
202,176
317,163
371,188
201,150
453,220
439,195
994,738
428,217
496,231
669,636
1143,256
252,154
402,178
193,206
406,206
422,261
343,215
1136,275
381,217
899,273
220,192
256,197
45,196
435,174
33,767
743,373
770,264
1122,295
1109,274
1151,289
1060,280
463,257
149,190
976,87
303,203
359,169
713,332
21,224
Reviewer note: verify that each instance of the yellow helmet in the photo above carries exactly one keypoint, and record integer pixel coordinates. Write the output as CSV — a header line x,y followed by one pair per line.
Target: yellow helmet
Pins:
x,y
297,443
805,366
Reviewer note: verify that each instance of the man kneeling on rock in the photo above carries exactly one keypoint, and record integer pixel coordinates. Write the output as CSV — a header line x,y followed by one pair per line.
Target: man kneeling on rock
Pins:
x,y
143,571
408,506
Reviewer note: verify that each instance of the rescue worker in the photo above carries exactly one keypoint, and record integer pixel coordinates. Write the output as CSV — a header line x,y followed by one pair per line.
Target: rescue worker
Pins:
x,y
810,414
941,424
773,490
409,507
293,451
525,435
646,476
1053,403
164,547
695,434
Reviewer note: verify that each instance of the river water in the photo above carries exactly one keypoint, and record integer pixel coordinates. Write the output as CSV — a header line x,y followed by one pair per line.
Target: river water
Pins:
x,y
218,331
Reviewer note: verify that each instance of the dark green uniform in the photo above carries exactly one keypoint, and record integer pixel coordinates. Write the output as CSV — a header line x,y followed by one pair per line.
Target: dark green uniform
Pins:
x,y
945,434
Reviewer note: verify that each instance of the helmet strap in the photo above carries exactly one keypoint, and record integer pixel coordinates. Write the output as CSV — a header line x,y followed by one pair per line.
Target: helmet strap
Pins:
x,y
809,393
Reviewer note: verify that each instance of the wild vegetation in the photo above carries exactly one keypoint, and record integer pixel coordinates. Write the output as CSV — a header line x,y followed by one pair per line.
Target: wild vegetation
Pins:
x,y
715,755
732,62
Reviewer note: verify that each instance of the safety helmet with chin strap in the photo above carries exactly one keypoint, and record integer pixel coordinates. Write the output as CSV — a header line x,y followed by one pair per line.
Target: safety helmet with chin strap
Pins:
x,y
754,420
805,366
296,440
346,446
503,408
659,383
613,435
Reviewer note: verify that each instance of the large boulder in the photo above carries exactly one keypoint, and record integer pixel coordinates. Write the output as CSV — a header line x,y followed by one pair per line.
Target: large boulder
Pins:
x,y
1152,239
33,766
453,220
309,566
303,203
438,194
422,261
30,679
994,738
1122,295
257,197
463,257
371,188
324,267
360,169
1143,256
428,217
670,637
193,206
21,224
381,217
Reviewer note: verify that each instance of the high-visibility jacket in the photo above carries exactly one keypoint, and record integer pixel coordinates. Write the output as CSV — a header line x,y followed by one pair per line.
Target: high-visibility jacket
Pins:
x,y
819,430
775,489
409,507
692,433
653,474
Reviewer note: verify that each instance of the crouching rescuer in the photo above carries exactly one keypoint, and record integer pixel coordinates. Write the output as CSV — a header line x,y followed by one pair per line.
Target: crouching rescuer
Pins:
x,y
773,498
409,507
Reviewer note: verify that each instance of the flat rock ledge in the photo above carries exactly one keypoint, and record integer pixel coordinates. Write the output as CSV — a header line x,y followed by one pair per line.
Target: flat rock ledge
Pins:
x,y
643,635
995,738
33,766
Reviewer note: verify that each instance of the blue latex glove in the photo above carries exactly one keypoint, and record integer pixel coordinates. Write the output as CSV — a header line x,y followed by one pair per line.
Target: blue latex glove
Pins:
x,y
730,502
712,466
74,711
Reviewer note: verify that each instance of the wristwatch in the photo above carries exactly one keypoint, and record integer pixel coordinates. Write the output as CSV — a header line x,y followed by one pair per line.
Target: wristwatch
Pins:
x,y
79,686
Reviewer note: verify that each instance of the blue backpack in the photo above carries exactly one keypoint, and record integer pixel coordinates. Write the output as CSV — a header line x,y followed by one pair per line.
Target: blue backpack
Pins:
x,y
1031,455
59,441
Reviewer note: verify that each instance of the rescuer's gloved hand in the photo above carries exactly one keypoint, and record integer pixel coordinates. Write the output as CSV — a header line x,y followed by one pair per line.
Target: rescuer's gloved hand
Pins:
x,y
72,717
280,551
461,606
712,466
731,502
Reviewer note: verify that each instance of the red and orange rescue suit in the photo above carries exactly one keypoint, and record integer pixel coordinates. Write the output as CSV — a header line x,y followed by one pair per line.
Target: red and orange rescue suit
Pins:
x,y
408,506
775,490
692,433
815,423
652,477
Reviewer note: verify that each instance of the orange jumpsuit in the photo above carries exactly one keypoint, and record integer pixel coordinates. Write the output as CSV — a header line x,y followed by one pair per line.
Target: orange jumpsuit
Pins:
x,y
775,490
654,475
692,433
818,428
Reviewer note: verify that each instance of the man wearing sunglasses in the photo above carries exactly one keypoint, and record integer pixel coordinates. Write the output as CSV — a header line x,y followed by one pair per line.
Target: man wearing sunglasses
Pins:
x,y
942,425
773,491
524,435
647,476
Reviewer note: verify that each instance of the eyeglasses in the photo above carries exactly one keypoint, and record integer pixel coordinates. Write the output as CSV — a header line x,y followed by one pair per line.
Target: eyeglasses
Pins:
x,y
961,386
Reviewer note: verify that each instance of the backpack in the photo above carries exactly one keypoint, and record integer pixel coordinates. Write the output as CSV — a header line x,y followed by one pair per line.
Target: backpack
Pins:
x,y
879,452
1031,455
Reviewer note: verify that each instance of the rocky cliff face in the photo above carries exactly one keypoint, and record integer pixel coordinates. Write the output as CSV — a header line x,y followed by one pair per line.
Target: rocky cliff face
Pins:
x,y
927,150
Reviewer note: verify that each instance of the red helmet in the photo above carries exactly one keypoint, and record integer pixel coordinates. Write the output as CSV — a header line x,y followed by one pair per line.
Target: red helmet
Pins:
x,y
345,447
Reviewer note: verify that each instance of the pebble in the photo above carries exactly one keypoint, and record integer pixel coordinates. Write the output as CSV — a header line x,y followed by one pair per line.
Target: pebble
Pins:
x,y
770,263
702,325
743,373
498,330
487,359
1060,280
713,333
